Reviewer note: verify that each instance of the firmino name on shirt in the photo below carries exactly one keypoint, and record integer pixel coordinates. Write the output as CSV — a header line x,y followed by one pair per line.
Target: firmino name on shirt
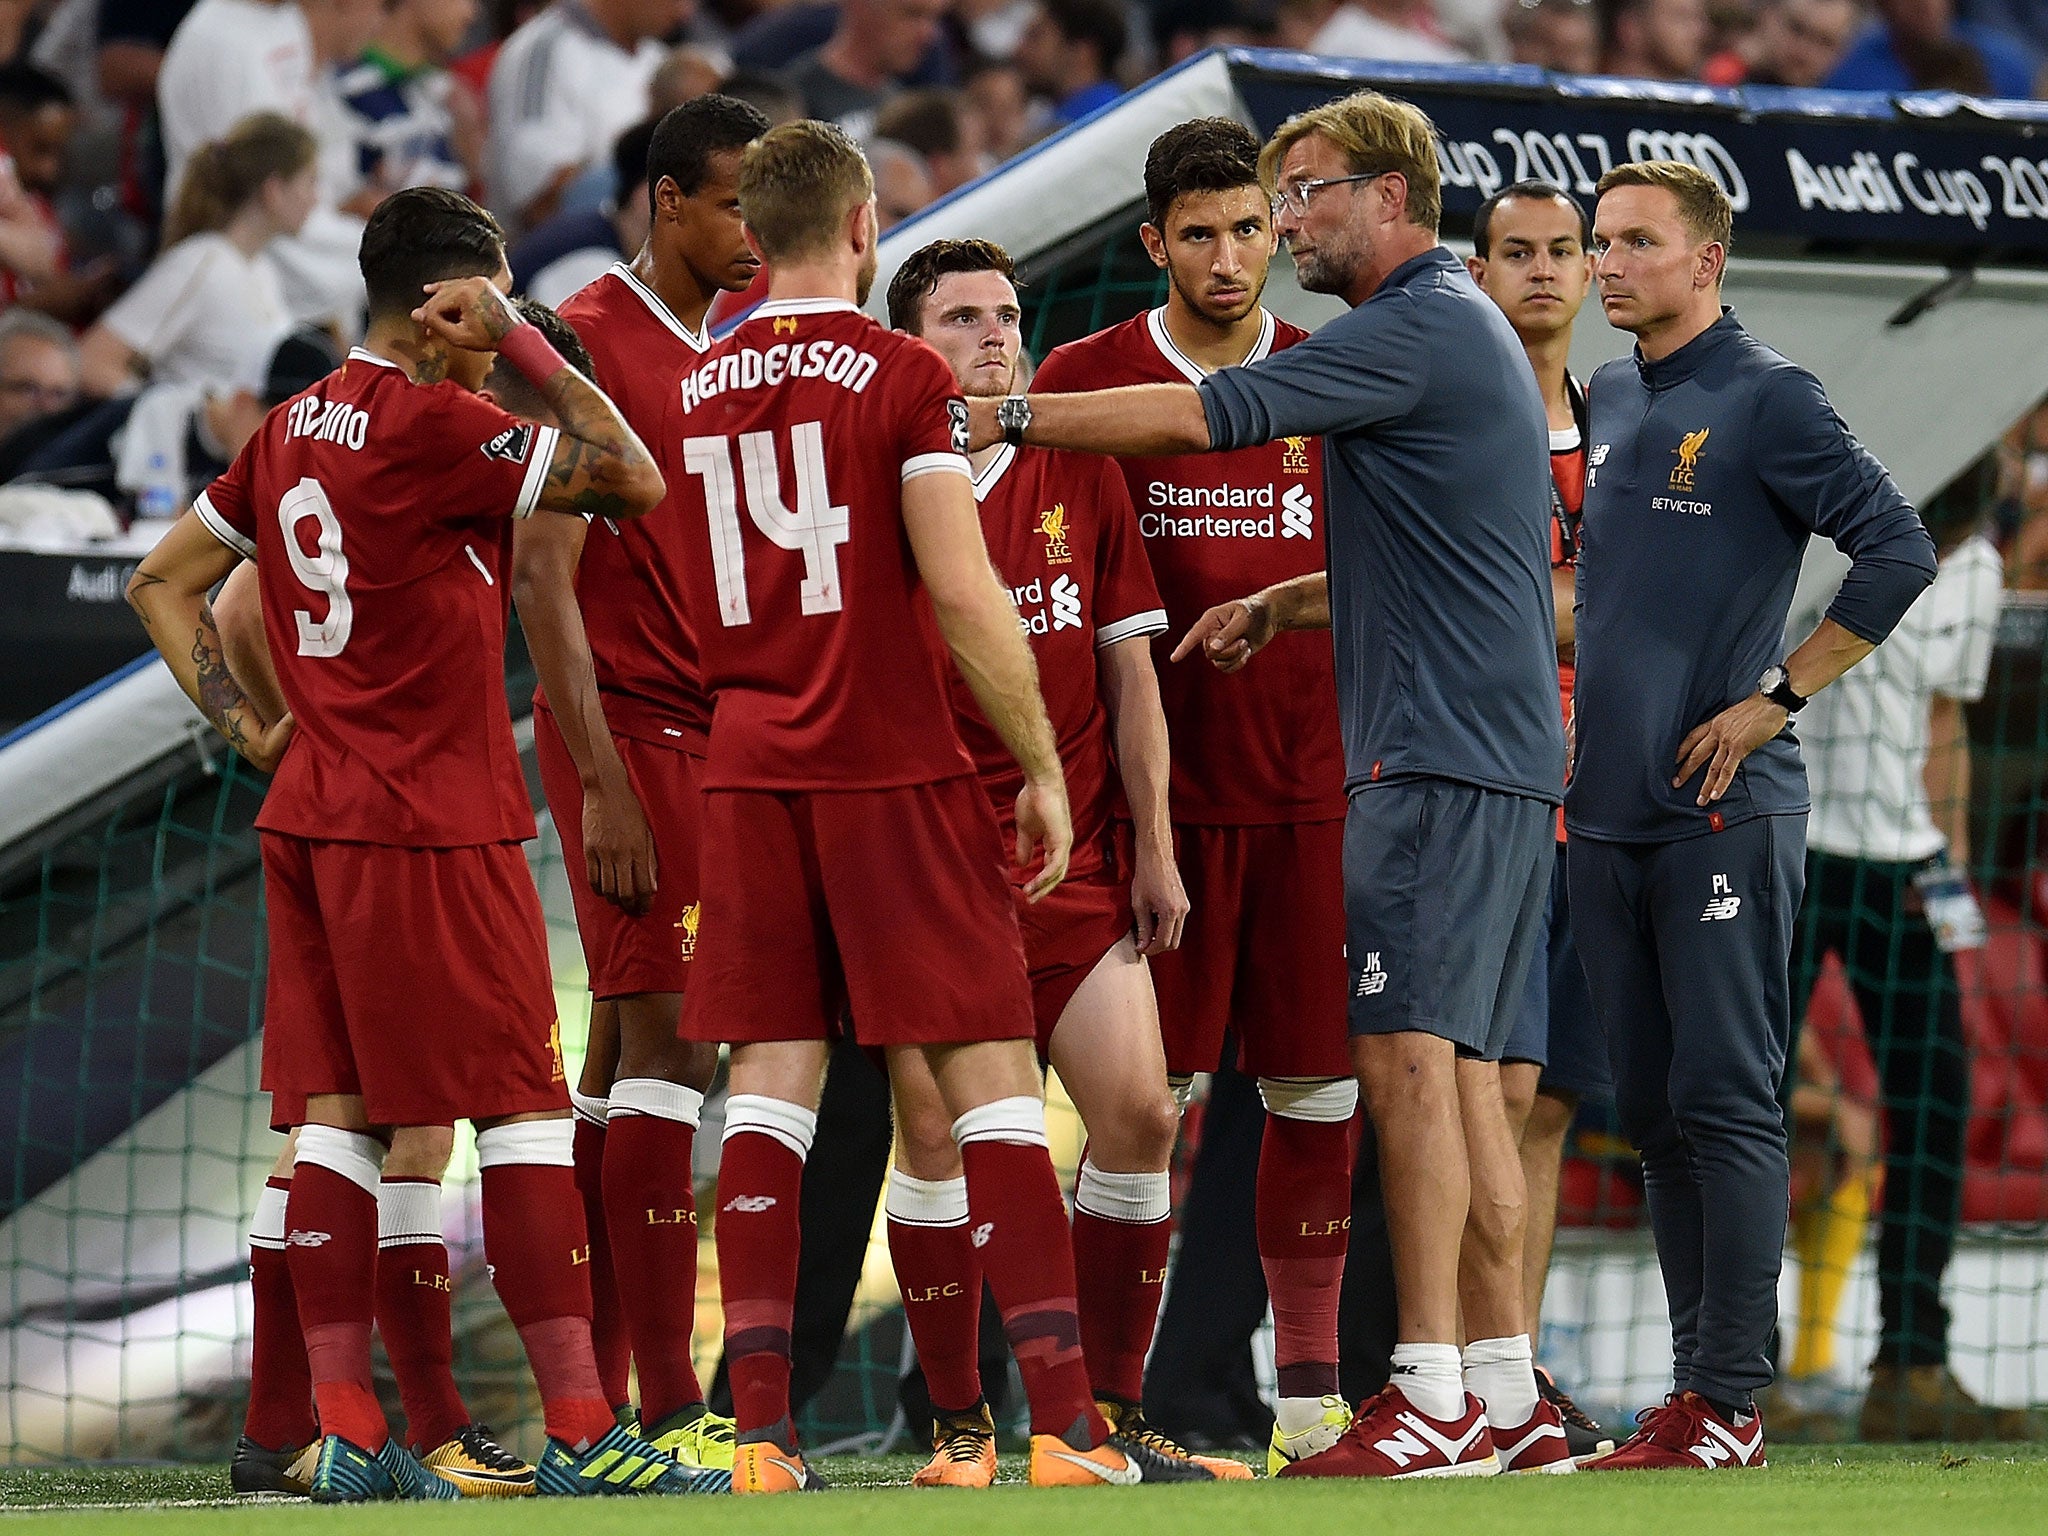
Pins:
x,y
752,368
328,421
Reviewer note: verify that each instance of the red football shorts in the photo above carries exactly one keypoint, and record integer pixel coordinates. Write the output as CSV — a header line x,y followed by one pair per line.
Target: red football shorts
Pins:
x,y
1067,934
1262,952
415,977
627,955
890,903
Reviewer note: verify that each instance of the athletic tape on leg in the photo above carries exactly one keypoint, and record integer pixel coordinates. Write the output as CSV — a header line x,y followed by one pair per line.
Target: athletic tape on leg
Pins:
x,y
549,1143
657,1098
266,1226
1322,1100
355,1156
926,1202
1135,1198
791,1124
408,1211
1019,1121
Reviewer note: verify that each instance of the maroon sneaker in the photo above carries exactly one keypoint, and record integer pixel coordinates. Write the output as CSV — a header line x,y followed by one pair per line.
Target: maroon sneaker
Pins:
x,y
1685,1431
1537,1446
1390,1437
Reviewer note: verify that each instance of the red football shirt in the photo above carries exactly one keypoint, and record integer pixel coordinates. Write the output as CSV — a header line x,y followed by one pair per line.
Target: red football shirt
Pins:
x,y
1062,536
786,450
379,512
1260,746
630,582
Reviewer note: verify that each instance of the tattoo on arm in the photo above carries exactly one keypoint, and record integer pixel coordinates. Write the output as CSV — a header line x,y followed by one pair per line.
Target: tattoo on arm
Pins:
x,y
569,483
136,583
221,698
595,452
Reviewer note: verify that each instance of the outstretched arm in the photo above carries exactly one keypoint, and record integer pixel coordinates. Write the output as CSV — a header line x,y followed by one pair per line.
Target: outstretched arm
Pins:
x,y
168,592
600,467
1148,419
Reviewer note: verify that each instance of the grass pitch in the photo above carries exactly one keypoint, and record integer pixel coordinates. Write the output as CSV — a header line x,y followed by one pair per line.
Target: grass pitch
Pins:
x,y
1864,1490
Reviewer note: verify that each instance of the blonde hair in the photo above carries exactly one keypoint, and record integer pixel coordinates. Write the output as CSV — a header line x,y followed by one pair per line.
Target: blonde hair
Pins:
x,y
797,184
1374,133
222,176
1701,203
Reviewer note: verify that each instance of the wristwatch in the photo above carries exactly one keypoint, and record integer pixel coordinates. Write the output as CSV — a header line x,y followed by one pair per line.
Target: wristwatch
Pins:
x,y
1013,416
1776,685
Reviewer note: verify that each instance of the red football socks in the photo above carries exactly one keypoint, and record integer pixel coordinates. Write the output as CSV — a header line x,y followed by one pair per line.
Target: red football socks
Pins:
x,y
651,1216
1304,1227
607,1322
415,1299
331,1244
1019,1223
760,1185
280,1383
1122,1230
539,1253
939,1274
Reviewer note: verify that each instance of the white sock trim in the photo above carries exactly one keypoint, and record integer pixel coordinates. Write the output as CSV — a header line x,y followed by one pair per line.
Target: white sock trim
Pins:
x,y
1019,1121
1182,1086
549,1143
357,1157
266,1226
791,1124
658,1099
1136,1198
1499,1351
926,1202
1323,1100
590,1108
408,1211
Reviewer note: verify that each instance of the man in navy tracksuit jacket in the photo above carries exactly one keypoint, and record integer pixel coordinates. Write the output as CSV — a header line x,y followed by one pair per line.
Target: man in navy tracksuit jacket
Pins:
x,y
1711,461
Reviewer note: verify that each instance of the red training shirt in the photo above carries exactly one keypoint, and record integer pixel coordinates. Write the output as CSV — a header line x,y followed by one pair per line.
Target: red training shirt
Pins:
x,y
1062,536
786,450
379,512
630,582
1260,746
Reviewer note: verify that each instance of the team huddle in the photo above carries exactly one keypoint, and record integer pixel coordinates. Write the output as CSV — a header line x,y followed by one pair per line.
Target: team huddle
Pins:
x,y
881,699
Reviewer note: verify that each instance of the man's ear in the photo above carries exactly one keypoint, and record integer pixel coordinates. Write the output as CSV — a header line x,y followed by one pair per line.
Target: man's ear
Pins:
x,y
1155,244
1713,264
863,227
1476,265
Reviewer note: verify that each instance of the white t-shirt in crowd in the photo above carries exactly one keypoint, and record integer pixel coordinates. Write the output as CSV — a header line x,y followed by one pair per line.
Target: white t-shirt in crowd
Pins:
x,y
204,314
561,92
1353,34
227,59
1865,738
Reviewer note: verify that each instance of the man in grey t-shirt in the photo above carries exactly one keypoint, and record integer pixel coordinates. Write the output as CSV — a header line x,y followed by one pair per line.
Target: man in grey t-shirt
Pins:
x,y
1438,593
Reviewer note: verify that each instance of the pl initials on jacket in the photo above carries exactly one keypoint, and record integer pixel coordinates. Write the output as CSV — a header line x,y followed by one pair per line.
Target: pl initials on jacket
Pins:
x,y
1705,473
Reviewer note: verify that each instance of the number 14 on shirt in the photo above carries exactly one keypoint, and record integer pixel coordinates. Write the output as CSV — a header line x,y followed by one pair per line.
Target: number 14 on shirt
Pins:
x,y
814,530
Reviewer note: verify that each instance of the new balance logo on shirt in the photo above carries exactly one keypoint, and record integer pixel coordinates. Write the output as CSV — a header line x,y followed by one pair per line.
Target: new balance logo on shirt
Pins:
x,y
1372,980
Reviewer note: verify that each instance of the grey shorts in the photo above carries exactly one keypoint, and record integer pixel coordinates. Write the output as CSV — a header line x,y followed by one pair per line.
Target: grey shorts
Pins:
x,y
1444,890
1555,1027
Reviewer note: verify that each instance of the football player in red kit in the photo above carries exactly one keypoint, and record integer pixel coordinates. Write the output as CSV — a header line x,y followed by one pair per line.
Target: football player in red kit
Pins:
x,y
1061,533
409,983
850,860
414,1293
1257,791
619,728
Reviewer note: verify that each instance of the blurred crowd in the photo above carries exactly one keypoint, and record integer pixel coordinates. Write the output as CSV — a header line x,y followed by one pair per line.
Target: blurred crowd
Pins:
x,y
183,182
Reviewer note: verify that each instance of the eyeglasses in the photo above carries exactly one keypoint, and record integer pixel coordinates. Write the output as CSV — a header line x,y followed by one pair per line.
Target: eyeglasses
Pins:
x,y
1295,199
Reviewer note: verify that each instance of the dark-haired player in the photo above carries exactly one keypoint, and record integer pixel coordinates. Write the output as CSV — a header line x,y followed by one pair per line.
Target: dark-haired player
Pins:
x,y
850,860
409,982
619,723
1258,774
414,1288
1061,533
1533,256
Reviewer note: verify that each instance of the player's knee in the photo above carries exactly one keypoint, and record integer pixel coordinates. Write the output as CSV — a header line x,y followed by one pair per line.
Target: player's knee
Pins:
x,y
420,1152
1550,1117
1320,1100
1141,1133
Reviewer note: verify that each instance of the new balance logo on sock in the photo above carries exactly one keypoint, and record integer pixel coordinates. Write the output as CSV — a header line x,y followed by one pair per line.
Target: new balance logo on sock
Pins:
x,y
304,1239
1417,1439
751,1205
983,1233
1720,1444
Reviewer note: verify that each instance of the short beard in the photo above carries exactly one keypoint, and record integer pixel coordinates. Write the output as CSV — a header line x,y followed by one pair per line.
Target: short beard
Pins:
x,y
864,284
1194,302
1322,271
